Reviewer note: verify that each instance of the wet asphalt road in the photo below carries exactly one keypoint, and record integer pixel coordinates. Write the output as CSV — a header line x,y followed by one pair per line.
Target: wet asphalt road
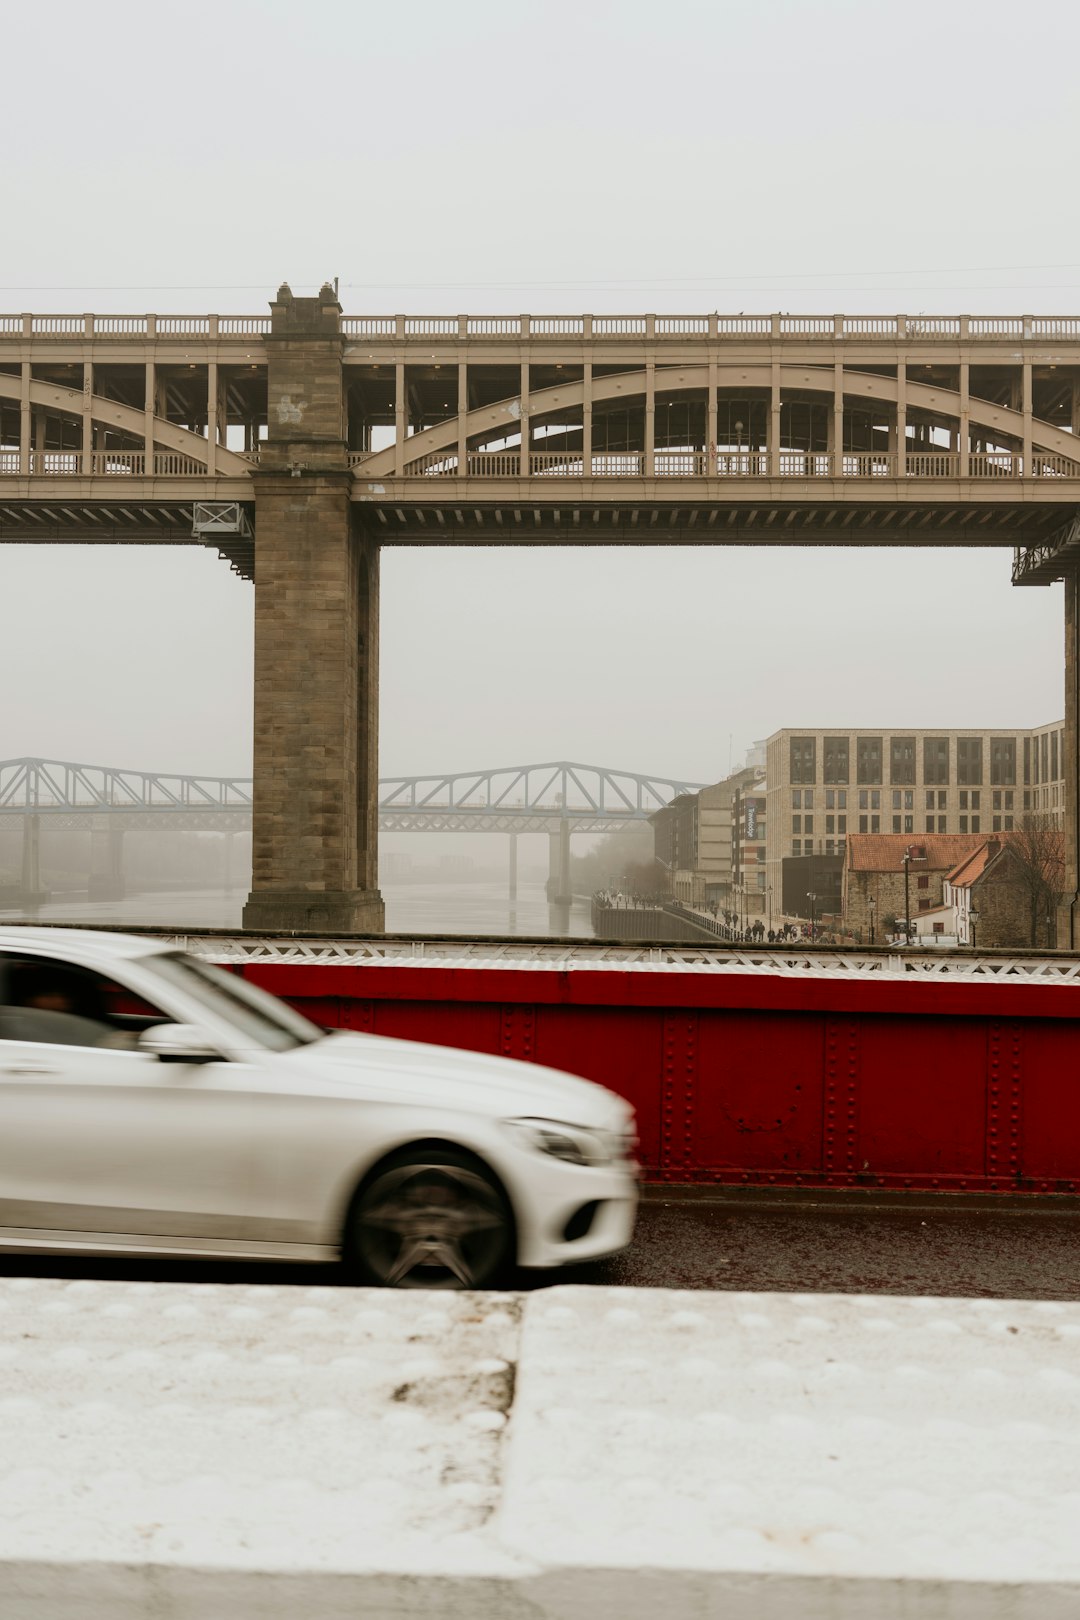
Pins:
x,y
701,1242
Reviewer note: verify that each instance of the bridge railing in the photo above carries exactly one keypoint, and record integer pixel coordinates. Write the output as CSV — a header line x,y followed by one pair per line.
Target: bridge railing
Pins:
x,y
755,464
101,464
990,329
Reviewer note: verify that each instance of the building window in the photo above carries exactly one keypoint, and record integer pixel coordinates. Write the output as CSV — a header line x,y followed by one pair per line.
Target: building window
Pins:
x,y
835,761
909,800
974,823
975,800
875,824
941,824
901,759
796,799
963,823
841,824
929,823
1044,757
1009,800
942,800
939,928
930,801
969,767
997,823
868,759
935,759
896,799
1027,759
963,799
923,882
924,905
909,823
997,801
875,799
841,799
1053,757
896,823
864,823
1008,823
803,759
1003,760
796,824
808,799
1027,798
864,799
830,824
808,824
829,847
796,846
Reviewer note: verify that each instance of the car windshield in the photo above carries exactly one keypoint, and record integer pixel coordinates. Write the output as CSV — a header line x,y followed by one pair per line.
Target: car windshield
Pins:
x,y
251,1012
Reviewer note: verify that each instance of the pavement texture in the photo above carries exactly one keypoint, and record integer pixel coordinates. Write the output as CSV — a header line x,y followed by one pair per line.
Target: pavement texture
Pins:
x,y
183,1452
684,1240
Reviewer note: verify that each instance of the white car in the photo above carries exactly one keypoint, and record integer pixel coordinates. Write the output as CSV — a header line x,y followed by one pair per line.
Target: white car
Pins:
x,y
151,1103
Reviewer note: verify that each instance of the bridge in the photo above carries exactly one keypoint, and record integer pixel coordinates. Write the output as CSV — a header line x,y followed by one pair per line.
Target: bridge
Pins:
x,y
558,798
300,442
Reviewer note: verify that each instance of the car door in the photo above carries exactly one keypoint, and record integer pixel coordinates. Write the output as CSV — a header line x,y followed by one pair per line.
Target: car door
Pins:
x,y
106,1139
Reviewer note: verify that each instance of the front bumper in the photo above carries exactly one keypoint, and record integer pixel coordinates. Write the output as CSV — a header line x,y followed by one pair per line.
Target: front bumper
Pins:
x,y
555,1192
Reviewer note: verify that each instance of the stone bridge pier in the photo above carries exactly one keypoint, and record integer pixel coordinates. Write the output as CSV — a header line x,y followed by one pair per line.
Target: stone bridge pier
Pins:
x,y
314,820
106,878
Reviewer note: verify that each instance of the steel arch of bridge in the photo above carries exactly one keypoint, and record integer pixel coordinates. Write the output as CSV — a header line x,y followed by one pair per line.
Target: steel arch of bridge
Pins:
x,y
515,798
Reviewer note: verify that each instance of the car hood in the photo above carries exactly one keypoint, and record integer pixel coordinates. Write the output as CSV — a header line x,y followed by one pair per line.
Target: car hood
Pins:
x,y
414,1072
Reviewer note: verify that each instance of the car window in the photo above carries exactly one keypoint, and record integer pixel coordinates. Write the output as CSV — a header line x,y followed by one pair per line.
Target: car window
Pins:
x,y
61,1003
255,1015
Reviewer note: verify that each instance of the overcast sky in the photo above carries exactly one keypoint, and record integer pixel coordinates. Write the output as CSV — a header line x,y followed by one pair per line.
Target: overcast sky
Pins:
x,y
586,155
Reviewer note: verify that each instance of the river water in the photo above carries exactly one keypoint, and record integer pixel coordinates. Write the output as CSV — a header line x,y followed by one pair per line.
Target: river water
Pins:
x,y
411,908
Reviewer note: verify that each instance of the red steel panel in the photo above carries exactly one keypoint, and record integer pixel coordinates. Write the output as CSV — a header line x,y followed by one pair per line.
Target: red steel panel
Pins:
x,y
879,1081
754,1105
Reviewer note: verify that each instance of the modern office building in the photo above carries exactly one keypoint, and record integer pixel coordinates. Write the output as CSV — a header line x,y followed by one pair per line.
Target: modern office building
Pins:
x,y
824,783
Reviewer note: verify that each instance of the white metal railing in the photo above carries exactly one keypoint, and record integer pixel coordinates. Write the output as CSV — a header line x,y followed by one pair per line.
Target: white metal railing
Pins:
x,y
884,328
867,464
995,326
368,325
679,463
618,464
994,464
743,325
106,324
808,325
183,325
806,464
741,463
933,464
493,464
557,325
556,464
1046,465
678,325
431,326
618,325
436,464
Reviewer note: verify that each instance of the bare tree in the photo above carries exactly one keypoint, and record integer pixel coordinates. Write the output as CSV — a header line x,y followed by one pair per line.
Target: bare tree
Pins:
x,y
1037,845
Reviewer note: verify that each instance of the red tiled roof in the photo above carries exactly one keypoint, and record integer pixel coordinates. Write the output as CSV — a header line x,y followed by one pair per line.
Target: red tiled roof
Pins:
x,y
884,852
972,867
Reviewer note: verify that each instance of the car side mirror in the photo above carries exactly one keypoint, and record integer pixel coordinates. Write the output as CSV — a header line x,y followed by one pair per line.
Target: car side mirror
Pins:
x,y
178,1043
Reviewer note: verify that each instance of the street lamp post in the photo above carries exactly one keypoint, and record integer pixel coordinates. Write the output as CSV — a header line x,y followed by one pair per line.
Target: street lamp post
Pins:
x,y
873,907
907,897
811,898
768,900
974,915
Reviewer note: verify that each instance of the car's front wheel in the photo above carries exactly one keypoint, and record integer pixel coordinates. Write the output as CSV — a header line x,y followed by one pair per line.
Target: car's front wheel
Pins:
x,y
430,1218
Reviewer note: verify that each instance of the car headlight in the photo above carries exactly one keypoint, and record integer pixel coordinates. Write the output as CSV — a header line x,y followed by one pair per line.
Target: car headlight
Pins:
x,y
571,1143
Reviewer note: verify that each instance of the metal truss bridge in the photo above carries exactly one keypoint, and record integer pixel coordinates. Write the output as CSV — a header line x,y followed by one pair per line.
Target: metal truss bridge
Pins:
x,y
512,799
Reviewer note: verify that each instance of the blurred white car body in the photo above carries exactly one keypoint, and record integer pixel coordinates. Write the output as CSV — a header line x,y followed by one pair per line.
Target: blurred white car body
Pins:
x,y
220,1122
